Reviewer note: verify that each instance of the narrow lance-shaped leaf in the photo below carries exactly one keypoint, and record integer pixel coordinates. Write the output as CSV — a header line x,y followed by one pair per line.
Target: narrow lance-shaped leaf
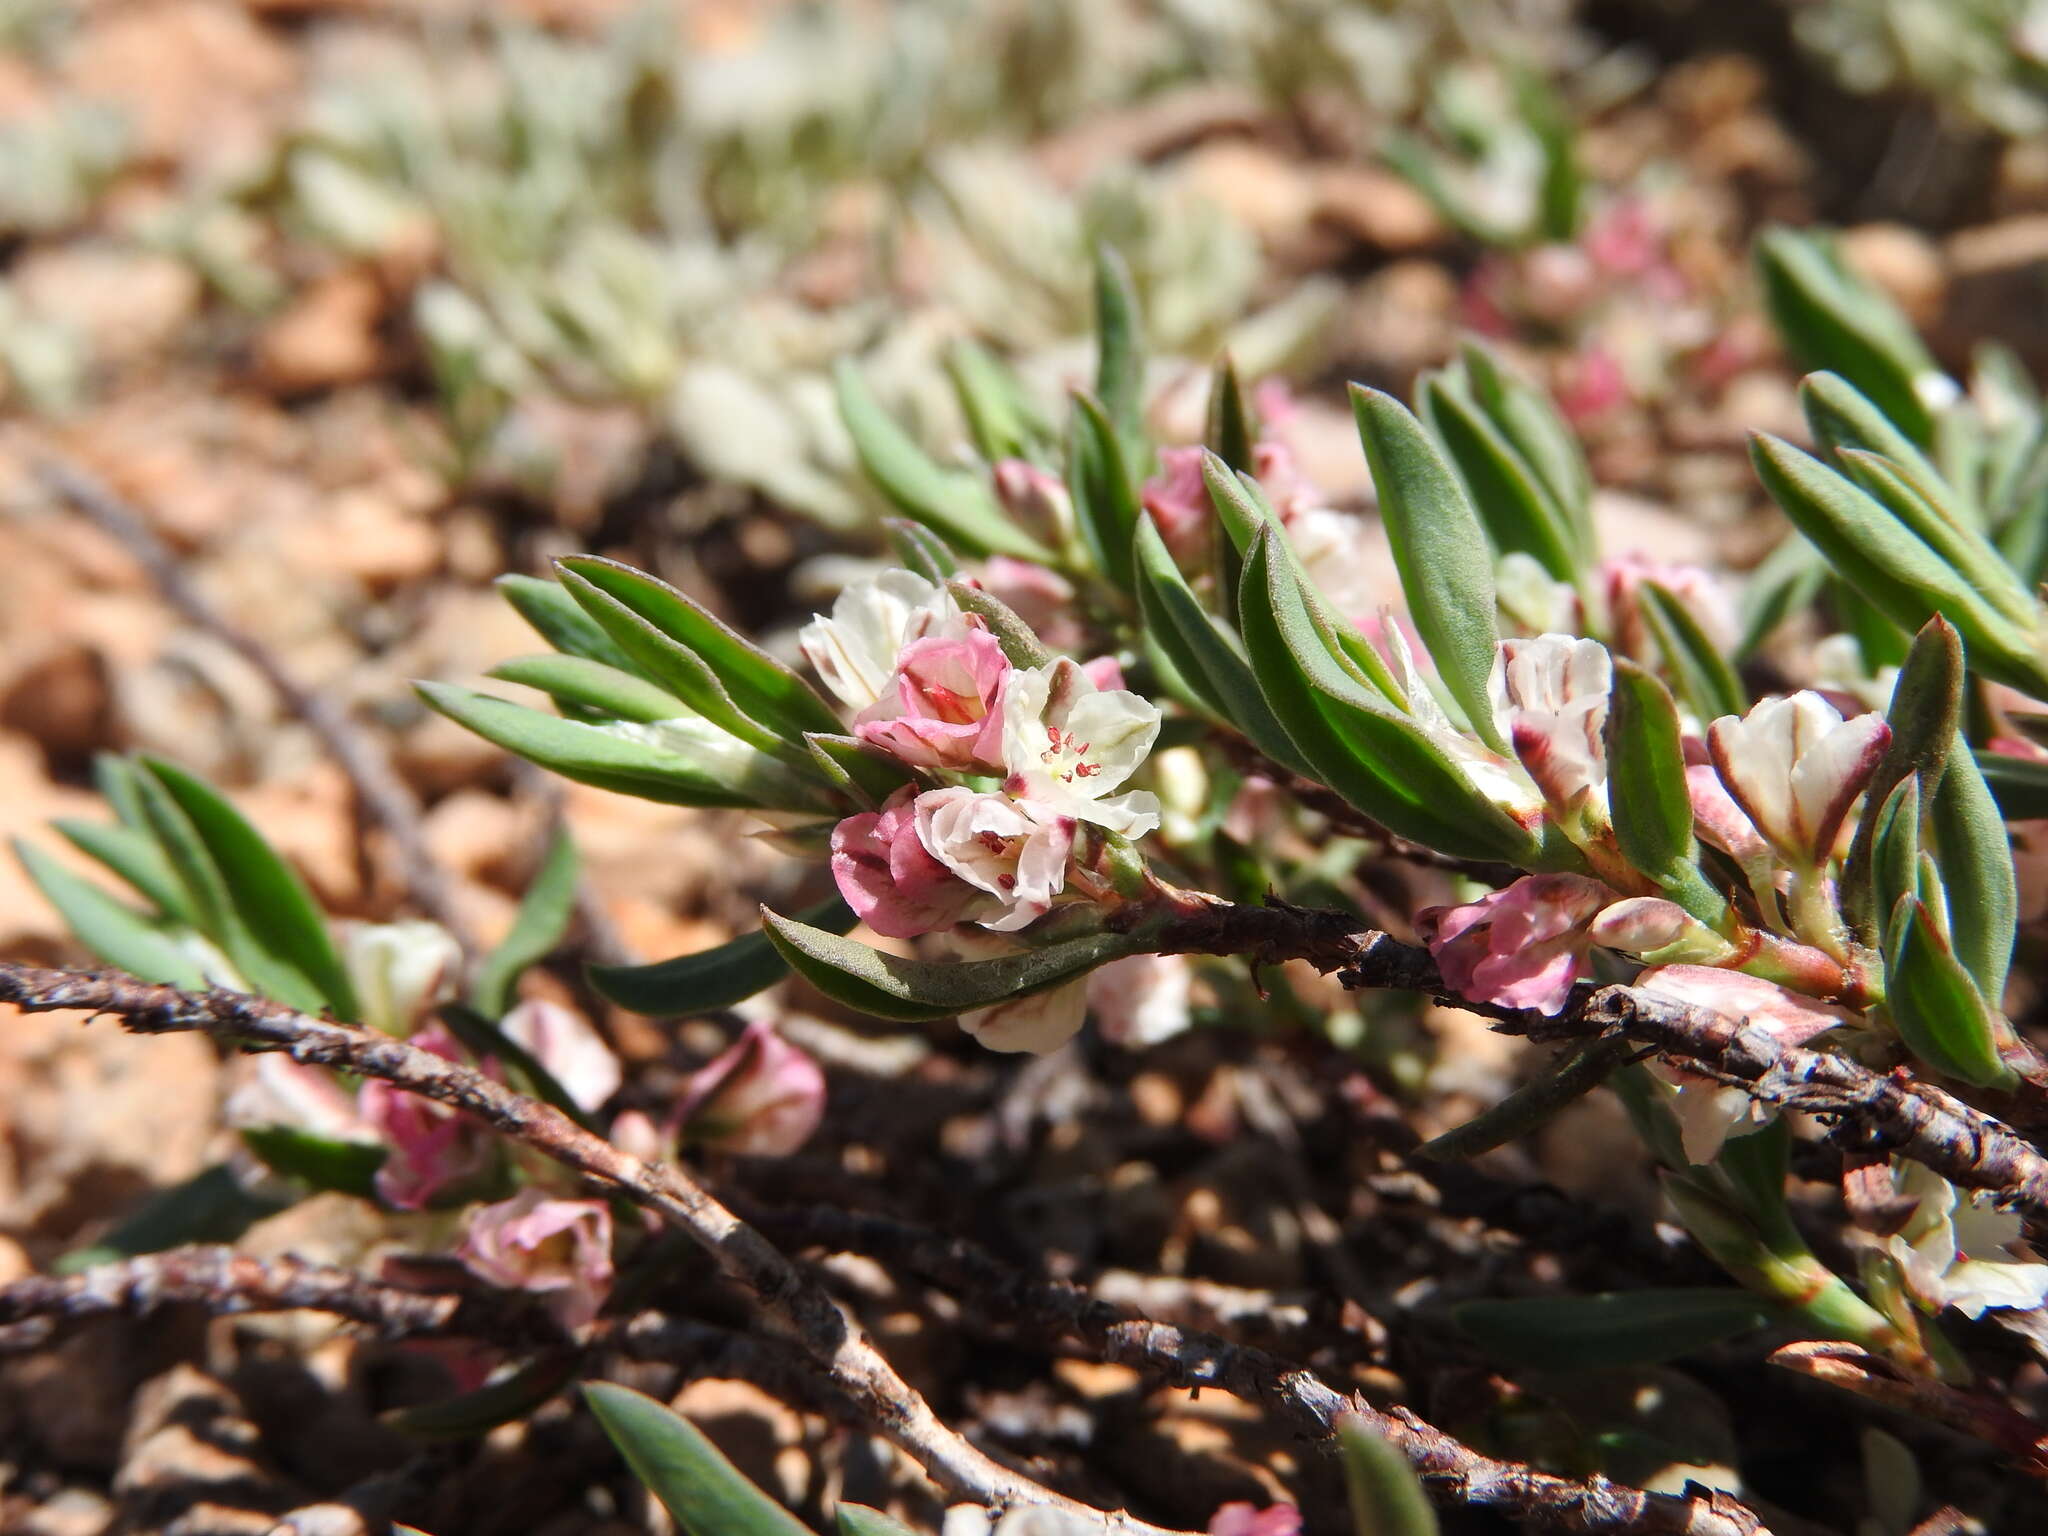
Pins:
x,y
1934,1003
115,932
1517,510
710,979
1531,421
863,773
1203,654
1019,640
1925,712
760,685
1962,546
1445,560
470,1414
543,917
1841,417
704,767
859,1520
998,418
1229,434
707,1494
1701,674
1120,352
921,550
1105,499
269,899
1647,791
592,686
1975,857
1894,865
321,1163
1386,1496
954,503
558,619
917,991
134,856
1834,321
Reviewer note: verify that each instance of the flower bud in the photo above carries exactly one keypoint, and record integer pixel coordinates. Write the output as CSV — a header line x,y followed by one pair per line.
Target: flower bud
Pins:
x,y
572,1053
1660,932
762,1097
1795,765
399,971
434,1152
560,1249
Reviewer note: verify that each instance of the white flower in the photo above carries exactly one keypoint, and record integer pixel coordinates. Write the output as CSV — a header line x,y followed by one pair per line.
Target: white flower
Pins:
x,y
1794,765
1532,597
1016,850
1550,699
1506,785
399,971
1068,743
1141,1000
1038,1023
872,620
563,1042
1953,1253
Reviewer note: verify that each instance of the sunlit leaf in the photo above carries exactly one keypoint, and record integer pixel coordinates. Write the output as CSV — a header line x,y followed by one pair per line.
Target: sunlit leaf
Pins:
x,y
115,932
707,1494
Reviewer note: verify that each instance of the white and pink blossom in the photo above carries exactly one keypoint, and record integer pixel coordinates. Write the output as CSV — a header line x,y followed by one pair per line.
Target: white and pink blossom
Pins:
x,y
1795,765
399,971
855,650
941,708
434,1152
1013,850
564,1044
1550,699
1520,947
559,1249
1953,1252
761,1096
1068,744
892,880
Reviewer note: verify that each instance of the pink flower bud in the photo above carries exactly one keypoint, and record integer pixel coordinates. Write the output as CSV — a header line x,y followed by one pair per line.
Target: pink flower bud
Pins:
x,y
1658,929
560,1249
1795,765
1704,595
1178,500
1243,1519
434,1151
1521,947
762,1097
1720,821
563,1042
1038,1023
1037,499
890,879
940,709
1037,594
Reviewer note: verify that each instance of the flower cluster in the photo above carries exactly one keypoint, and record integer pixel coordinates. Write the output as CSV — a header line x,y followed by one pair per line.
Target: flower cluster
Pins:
x,y
1012,764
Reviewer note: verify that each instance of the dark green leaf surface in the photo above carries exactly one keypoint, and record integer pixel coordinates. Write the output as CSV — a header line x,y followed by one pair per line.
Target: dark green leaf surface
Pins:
x,y
710,979
707,1495
1627,1328
543,917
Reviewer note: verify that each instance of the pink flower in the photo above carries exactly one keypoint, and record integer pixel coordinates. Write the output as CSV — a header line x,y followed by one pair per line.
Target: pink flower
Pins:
x,y
1037,594
561,1249
1178,500
1036,499
1703,594
563,1042
1521,947
1015,850
1720,821
762,1097
940,710
1243,1519
434,1151
272,1089
1592,385
890,879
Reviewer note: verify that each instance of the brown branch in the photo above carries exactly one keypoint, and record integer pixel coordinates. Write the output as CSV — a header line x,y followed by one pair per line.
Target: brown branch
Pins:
x,y
796,1303
1455,1473
380,793
1872,1111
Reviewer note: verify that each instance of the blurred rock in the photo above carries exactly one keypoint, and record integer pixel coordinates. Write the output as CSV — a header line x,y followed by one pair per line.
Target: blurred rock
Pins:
x,y
60,700
1268,192
367,535
1377,208
128,305
1404,318
327,336
1901,261
194,1463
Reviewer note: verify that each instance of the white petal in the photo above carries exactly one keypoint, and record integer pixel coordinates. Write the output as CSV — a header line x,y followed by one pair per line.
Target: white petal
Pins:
x,y
1829,773
1980,1283
1042,1022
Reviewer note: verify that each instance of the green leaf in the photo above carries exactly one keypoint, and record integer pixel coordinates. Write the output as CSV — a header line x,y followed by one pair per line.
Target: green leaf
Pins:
x,y
1963,547
1229,433
716,771
1519,512
999,417
710,979
1530,420
271,903
1204,654
921,550
1647,791
1019,640
135,857
470,1414
1975,857
1788,582
320,1162
2019,784
678,1464
859,1520
864,774
1377,760
1386,1496
954,503
1841,418
1894,861
586,684
560,621
1934,1003
1441,550
1832,320
116,933
1120,354
114,776
1240,506
1924,715
1105,497
213,1206
1702,675
1609,1331
663,622
543,917
917,991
